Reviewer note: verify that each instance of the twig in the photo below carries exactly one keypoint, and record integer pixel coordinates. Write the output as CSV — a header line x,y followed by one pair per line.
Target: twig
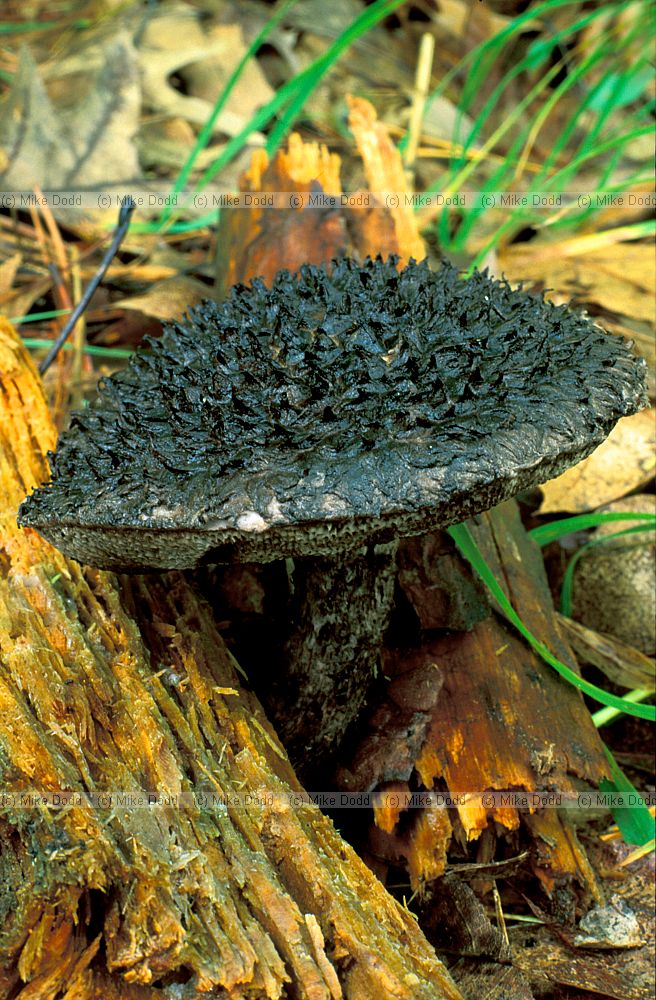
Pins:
x,y
58,248
124,216
501,920
79,332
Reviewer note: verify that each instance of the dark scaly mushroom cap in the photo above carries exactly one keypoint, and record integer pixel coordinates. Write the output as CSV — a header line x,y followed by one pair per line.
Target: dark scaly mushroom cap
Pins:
x,y
332,409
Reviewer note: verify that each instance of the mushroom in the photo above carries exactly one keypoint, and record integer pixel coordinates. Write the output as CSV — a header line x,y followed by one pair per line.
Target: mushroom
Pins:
x,y
319,420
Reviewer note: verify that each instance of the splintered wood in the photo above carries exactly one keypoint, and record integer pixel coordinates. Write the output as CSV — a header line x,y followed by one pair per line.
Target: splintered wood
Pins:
x,y
259,241
125,686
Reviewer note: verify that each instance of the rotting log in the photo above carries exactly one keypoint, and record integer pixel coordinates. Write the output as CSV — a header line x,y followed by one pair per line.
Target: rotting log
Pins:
x,y
492,716
125,686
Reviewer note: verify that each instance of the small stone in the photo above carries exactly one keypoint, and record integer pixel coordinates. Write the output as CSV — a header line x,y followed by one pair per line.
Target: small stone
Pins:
x,y
612,926
615,583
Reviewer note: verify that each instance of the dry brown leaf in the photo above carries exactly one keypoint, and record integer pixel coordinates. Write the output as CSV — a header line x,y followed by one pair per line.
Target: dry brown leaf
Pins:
x,y
617,279
169,299
21,301
442,118
644,343
621,277
461,18
83,144
623,664
624,462
167,143
618,213
176,41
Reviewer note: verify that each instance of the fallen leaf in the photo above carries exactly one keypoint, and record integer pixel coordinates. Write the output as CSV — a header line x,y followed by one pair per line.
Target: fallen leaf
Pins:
x,y
614,278
467,20
169,299
81,145
619,277
623,463
23,298
168,142
643,342
17,300
621,663
177,42
442,118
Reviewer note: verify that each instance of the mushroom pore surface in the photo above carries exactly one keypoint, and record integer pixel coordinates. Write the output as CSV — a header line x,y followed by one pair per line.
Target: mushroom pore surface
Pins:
x,y
340,406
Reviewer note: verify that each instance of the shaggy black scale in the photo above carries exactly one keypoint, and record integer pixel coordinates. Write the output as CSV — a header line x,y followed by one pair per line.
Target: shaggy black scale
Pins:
x,y
356,392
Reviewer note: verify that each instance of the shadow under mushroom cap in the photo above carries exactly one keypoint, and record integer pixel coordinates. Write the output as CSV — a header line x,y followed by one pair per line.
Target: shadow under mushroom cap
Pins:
x,y
334,408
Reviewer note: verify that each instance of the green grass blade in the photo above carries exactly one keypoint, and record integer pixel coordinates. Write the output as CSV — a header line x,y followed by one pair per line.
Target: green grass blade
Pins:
x,y
500,178
455,184
546,533
205,133
636,823
18,27
599,100
369,18
605,715
467,547
479,56
611,97
36,344
606,146
305,82
528,63
573,79
292,110
35,317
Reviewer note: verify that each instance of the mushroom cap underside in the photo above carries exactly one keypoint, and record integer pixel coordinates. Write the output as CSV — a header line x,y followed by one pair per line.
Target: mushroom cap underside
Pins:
x,y
336,408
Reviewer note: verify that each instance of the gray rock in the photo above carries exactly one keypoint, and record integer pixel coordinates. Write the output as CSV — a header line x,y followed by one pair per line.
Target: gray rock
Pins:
x,y
615,584
612,926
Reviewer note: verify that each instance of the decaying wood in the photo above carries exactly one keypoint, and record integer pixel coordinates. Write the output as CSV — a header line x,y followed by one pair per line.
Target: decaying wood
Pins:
x,y
386,178
494,716
126,686
259,241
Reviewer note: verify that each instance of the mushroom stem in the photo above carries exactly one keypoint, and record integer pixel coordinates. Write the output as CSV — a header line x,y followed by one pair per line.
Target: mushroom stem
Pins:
x,y
341,607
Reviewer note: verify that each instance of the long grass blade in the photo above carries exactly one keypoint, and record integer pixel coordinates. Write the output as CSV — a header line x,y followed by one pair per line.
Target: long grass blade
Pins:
x,y
466,545
567,588
205,133
551,532
636,823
